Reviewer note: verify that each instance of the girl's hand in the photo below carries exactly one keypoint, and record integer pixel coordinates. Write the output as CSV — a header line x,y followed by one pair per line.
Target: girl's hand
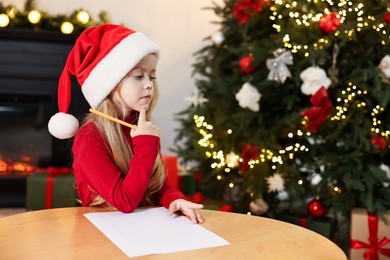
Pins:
x,y
188,208
144,127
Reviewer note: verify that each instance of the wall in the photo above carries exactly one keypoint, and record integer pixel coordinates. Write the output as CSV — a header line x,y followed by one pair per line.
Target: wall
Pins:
x,y
178,26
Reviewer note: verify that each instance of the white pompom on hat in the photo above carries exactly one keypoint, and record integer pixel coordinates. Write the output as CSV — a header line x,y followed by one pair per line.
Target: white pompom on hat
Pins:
x,y
101,57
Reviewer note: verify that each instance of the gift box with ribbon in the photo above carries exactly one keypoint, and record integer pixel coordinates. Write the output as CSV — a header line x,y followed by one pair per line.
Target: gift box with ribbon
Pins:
x,y
370,236
52,188
325,226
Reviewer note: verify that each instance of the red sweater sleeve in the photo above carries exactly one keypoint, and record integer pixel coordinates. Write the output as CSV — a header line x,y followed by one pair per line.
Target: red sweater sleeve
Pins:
x,y
168,194
96,173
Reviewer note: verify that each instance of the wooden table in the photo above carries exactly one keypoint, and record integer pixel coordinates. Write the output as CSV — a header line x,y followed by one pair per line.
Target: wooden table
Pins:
x,y
64,233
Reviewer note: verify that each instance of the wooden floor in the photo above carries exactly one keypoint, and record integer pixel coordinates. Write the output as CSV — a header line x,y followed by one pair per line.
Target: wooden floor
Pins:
x,y
10,211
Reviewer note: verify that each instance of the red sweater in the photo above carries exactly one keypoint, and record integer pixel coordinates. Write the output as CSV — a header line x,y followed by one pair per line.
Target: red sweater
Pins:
x,y
96,174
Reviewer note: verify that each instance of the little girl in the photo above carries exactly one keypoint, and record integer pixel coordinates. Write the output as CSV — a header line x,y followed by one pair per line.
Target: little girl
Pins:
x,y
113,164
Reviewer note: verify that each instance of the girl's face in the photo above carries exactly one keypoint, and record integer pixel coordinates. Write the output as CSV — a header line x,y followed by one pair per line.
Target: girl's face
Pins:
x,y
137,88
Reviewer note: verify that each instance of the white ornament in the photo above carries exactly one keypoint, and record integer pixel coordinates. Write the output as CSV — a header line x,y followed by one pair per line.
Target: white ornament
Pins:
x,y
313,79
386,169
197,99
217,38
315,179
384,66
249,97
275,183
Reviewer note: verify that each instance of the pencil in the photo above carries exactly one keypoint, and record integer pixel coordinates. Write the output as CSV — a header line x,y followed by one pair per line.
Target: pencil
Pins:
x,y
112,118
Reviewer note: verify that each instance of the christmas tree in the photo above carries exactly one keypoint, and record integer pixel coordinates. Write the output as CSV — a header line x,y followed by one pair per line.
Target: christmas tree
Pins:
x,y
292,104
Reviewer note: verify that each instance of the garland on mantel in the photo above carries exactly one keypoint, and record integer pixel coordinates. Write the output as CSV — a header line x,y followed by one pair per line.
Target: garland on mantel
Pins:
x,y
32,18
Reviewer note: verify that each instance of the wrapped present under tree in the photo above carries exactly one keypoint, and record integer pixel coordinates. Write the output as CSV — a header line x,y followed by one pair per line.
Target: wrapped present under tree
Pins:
x,y
370,236
53,188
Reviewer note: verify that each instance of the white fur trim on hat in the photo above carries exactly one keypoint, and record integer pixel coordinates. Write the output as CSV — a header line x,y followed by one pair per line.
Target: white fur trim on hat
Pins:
x,y
63,126
115,65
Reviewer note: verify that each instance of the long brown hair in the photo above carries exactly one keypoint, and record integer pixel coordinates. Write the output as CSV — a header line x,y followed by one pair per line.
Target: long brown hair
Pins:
x,y
121,151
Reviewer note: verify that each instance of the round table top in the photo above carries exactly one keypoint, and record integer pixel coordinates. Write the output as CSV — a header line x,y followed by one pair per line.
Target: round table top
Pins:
x,y
65,233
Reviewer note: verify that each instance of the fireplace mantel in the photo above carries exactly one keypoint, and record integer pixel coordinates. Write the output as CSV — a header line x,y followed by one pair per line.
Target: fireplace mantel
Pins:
x,y
37,35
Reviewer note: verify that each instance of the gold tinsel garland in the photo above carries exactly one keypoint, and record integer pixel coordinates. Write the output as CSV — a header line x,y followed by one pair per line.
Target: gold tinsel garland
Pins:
x,y
32,18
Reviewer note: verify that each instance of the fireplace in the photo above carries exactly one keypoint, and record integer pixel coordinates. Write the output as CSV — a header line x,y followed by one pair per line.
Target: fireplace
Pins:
x,y
30,65
24,141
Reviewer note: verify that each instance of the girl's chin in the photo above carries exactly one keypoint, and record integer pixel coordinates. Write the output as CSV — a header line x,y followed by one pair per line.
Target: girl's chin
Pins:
x,y
146,106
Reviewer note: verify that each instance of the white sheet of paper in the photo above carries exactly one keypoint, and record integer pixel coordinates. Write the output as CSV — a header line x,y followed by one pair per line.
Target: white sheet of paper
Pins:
x,y
153,231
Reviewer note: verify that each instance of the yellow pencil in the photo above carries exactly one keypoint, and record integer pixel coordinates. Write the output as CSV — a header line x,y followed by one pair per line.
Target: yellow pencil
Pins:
x,y
112,118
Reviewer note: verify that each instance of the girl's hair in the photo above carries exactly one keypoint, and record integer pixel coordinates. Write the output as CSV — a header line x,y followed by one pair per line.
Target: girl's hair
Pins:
x,y
122,154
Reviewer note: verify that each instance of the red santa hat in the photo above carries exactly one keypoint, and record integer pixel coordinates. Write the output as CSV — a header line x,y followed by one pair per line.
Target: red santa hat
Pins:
x,y
100,59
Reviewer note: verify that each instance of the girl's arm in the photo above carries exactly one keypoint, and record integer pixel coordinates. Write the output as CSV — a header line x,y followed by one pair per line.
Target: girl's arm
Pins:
x,y
96,171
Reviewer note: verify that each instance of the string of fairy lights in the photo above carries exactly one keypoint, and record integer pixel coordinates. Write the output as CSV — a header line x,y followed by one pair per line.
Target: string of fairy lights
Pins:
x,y
348,97
304,16
79,20
226,162
34,17
231,160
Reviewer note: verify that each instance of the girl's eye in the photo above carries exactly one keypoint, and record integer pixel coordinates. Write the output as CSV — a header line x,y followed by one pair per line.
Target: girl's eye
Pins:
x,y
139,76
142,76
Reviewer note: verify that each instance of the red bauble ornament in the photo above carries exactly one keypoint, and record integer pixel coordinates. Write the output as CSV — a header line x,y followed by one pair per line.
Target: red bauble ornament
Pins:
x,y
386,18
328,23
316,208
243,10
379,142
246,64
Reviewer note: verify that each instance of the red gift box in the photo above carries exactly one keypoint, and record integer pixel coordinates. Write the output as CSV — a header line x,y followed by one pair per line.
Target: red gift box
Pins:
x,y
171,164
370,236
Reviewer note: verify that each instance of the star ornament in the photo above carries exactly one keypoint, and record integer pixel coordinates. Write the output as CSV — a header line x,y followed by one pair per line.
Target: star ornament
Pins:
x,y
197,99
275,183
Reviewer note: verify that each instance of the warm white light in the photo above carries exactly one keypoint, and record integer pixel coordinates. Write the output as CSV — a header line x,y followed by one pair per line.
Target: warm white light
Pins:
x,y
83,17
34,16
4,20
67,28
